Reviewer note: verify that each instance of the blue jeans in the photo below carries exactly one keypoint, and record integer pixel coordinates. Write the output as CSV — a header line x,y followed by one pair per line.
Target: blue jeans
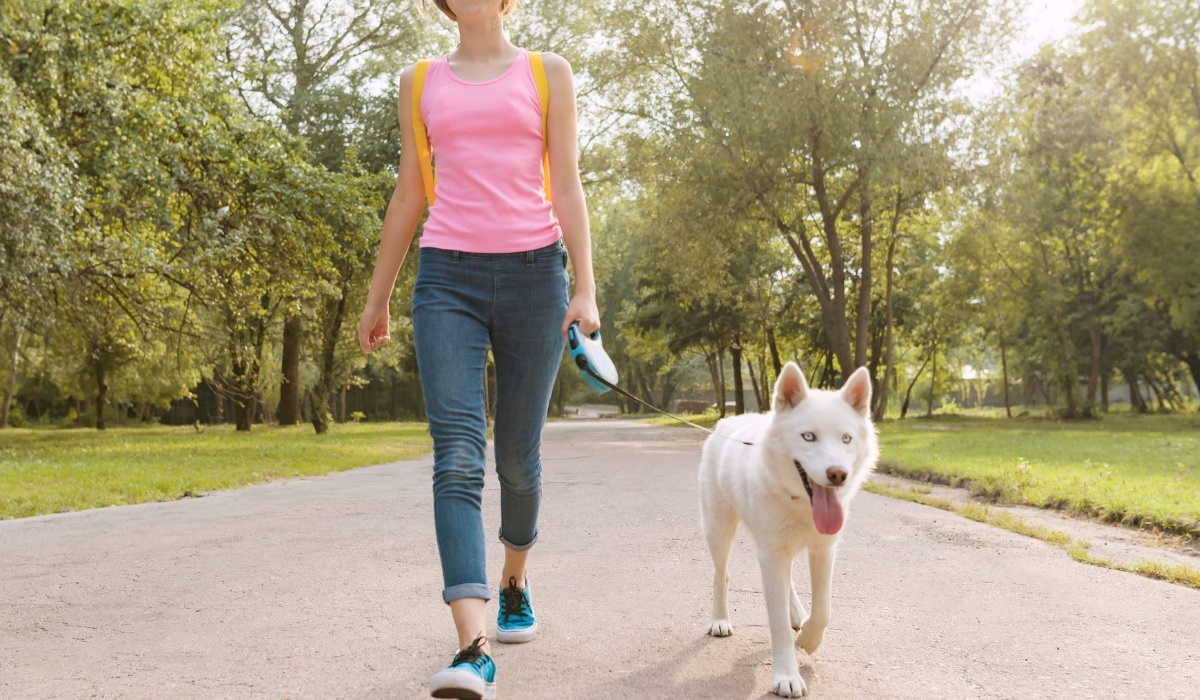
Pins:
x,y
462,304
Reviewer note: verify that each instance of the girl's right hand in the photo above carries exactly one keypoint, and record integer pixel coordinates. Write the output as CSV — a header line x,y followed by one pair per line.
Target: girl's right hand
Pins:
x,y
373,329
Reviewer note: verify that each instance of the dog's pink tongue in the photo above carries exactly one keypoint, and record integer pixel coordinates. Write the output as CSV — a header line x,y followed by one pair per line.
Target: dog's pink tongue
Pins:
x,y
827,512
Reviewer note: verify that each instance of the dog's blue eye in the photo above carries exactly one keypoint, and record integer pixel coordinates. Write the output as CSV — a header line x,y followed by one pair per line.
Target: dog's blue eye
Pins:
x,y
846,439
809,437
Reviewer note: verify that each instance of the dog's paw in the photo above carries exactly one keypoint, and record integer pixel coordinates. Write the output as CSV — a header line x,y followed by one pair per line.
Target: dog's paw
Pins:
x,y
789,686
810,638
796,611
720,628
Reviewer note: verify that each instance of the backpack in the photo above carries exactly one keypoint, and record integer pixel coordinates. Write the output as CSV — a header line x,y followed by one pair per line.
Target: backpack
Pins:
x,y
425,151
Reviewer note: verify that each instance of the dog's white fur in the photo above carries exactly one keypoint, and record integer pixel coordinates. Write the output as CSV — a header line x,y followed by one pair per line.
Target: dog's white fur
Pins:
x,y
827,433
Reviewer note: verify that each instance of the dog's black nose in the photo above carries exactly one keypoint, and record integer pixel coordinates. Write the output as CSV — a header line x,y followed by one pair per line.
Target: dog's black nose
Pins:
x,y
836,475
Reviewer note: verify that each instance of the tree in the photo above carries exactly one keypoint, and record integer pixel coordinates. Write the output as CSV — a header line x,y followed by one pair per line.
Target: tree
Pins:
x,y
1150,52
308,64
107,93
35,198
811,117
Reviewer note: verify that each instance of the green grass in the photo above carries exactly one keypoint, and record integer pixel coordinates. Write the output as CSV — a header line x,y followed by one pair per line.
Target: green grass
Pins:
x,y
1137,470
1078,549
50,471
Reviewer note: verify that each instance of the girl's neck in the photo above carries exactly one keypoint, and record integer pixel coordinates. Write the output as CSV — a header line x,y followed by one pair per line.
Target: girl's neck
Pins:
x,y
483,41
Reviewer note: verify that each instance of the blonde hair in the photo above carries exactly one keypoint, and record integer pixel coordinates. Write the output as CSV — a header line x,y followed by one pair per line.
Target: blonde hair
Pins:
x,y
507,7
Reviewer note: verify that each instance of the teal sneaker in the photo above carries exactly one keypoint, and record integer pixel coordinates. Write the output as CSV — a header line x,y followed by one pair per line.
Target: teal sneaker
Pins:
x,y
471,676
515,622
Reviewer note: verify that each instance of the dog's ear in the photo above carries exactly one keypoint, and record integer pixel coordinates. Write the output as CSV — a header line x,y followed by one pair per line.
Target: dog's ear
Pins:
x,y
857,391
790,388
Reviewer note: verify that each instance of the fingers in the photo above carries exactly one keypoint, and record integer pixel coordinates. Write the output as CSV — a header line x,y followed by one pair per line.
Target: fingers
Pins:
x,y
587,324
372,336
582,310
364,338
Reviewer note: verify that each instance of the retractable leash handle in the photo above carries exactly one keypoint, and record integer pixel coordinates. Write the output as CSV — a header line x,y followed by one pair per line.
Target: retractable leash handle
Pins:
x,y
595,366
598,370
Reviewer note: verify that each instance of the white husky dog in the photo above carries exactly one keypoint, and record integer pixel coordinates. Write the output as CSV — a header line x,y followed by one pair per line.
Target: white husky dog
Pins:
x,y
789,475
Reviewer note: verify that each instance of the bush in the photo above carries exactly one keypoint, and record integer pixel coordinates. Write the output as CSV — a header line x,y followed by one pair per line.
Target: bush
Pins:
x,y
17,418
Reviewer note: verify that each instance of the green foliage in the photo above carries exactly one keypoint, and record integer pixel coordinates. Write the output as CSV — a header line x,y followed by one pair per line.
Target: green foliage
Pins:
x,y
797,179
35,199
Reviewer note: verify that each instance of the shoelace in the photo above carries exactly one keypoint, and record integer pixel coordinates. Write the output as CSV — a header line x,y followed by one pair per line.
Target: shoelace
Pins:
x,y
514,600
472,654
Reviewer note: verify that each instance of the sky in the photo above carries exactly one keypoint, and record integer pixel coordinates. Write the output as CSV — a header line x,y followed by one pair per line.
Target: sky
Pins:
x,y
1046,20
1043,21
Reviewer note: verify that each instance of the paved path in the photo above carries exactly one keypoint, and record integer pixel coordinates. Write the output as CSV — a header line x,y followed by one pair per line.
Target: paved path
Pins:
x,y
329,588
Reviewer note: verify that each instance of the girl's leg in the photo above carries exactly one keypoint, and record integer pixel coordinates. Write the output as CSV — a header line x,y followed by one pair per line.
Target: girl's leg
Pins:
x,y
514,567
527,345
450,301
470,620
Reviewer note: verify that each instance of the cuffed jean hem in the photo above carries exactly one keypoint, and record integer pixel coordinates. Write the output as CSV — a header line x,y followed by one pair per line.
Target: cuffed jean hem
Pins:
x,y
518,547
466,590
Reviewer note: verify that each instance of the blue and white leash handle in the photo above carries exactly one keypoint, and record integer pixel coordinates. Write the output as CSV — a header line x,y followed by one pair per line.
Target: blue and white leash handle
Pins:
x,y
599,372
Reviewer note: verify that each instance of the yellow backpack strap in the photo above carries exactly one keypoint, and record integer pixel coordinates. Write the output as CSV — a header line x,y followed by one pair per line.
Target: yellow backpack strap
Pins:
x,y
424,152
543,90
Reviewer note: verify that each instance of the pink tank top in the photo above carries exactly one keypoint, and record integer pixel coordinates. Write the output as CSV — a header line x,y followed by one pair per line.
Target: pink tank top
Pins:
x,y
487,149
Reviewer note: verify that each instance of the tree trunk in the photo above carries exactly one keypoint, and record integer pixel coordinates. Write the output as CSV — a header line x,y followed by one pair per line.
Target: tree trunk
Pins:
x,y
1158,395
245,401
1135,394
647,394
636,385
101,391
754,385
718,381
774,354
219,398
908,392
932,383
1067,377
826,378
244,414
289,390
830,293
1004,368
764,386
1192,360
721,396
889,352
739,394
863,314
333,330
668,391
1097,357
11,387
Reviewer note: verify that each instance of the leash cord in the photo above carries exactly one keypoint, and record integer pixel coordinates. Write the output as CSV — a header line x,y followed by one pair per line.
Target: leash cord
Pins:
x,y
583,365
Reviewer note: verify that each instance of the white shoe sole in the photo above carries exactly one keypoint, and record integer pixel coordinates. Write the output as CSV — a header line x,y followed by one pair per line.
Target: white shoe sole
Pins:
x,y
460,684
516,636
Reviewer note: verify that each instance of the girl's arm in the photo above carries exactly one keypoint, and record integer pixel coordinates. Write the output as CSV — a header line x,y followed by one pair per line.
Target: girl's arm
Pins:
x,y
562,139
399,224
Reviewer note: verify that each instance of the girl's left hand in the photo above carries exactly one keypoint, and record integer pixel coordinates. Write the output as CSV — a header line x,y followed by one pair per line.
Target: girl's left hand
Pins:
x,y
582,309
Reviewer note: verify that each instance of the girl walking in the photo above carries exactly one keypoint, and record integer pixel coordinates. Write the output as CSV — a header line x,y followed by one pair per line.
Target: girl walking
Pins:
x,y
492,273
